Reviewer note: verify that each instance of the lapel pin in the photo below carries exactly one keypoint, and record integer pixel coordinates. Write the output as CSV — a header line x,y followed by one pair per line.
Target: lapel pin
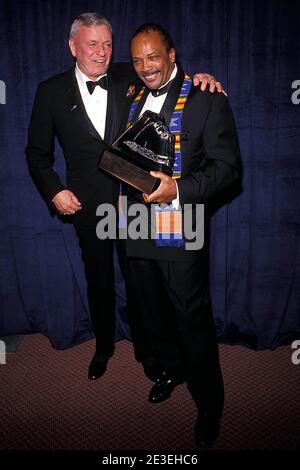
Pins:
x,y
73,107
131,90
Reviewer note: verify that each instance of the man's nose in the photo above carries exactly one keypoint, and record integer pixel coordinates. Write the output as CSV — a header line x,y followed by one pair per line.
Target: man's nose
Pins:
x,y
100,50
147,65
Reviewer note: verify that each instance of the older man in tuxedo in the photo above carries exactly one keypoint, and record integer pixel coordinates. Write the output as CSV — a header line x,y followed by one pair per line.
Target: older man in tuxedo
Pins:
x,y
83,108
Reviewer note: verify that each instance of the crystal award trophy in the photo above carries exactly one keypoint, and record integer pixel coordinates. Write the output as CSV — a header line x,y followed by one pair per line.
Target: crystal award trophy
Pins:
x,y
147,145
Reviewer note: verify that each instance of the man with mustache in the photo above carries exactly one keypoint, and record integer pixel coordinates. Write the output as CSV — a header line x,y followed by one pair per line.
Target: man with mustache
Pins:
x,y
168,293
83,108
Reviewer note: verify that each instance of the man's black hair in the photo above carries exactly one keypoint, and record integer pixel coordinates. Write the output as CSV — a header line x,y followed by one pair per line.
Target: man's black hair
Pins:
x,y
146,27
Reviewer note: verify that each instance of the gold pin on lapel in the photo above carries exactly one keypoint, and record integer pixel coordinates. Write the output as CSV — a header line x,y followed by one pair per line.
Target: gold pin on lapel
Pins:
x,y
131,90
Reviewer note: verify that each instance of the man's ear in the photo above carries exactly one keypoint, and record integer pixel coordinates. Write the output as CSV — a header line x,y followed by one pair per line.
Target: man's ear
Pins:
x,y
172,55
72,47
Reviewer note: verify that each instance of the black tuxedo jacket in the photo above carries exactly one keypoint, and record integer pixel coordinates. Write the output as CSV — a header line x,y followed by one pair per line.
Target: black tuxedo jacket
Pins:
x,y
59,111
210,158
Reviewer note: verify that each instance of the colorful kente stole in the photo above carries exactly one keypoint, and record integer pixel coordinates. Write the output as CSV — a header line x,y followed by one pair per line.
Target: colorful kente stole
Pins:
x,y
134,106
168,220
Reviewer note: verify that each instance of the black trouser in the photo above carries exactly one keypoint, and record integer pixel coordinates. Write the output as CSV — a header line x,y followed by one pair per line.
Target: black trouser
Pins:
x,y
97,256
172,321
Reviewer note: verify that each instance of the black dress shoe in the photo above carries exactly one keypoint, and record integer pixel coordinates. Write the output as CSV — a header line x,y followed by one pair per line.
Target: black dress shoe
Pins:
x,y
162,389
153,371
97,367
206,431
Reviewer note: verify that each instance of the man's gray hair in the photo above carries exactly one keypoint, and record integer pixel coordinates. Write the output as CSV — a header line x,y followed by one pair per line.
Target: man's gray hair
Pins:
x,y
88,19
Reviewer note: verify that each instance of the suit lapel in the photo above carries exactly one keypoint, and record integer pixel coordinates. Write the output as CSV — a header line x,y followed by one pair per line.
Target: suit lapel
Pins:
x,y
141,104
110,121
171,99
76,107
122,104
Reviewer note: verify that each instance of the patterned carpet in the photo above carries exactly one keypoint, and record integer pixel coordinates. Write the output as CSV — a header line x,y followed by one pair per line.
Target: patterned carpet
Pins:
x,y
46,402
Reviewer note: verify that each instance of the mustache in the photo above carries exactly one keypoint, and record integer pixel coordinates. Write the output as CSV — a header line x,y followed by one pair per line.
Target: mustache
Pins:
x,y
148,74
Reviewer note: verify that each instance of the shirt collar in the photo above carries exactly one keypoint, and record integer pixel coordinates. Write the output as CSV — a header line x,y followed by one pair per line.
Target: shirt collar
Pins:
x,y
173,75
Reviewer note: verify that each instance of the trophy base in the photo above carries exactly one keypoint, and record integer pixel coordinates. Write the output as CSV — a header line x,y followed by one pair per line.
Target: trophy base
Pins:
x,y
128,173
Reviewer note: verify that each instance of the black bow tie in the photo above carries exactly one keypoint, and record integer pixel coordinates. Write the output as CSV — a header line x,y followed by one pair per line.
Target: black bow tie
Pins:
x,y
102,82
162,90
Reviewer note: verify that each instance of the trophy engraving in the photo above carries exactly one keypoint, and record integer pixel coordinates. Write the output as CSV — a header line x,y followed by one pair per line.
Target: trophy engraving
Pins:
x,y
147,145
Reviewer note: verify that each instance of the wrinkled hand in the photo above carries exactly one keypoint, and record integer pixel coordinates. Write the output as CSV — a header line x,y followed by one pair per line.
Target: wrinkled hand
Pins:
x,y
206,79
166,191
66,202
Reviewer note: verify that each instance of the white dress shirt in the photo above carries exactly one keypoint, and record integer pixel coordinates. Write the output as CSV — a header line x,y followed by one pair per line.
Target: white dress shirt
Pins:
x,y
155,104
95,104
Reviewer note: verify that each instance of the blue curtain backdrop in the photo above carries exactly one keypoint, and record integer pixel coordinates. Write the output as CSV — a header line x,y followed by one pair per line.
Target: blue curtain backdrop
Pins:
x,y
253,47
